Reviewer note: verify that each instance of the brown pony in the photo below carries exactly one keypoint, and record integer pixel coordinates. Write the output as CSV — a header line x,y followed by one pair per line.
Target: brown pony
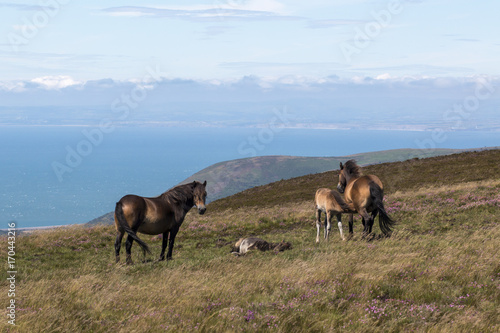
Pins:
x,y
331,203
366,194
161,215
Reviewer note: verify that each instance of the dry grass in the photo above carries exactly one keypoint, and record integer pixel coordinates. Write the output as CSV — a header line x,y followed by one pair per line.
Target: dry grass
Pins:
x,y
439,272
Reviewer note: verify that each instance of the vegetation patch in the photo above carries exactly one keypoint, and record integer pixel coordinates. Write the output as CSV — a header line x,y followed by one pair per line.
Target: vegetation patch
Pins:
x,y
439,271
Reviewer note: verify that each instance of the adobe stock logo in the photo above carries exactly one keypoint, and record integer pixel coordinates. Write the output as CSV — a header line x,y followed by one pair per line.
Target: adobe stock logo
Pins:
x,y
31,26
457,116
363,37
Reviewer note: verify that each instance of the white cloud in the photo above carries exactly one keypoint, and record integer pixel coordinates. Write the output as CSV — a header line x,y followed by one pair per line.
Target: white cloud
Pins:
x,y
251,5
320,24
219,10
259,5
13,86
129,13
55,82
105,86
385,76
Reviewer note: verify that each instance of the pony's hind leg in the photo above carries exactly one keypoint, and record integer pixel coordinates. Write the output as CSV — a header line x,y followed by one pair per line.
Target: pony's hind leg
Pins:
x,y
339,223
318,224
327,224
366,222
164,243
372,218
351,223
118,244
128,249
171,241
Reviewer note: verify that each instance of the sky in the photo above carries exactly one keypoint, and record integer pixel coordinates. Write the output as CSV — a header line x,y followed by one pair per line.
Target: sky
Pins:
x,y
228,39
72,53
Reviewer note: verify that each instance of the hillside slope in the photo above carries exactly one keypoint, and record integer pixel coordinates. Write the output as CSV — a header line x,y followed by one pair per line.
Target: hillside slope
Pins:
x,y
438,272
230,177
397,176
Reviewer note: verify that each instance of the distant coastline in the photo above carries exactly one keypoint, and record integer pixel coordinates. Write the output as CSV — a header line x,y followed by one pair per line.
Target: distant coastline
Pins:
x,y
297,126
29,230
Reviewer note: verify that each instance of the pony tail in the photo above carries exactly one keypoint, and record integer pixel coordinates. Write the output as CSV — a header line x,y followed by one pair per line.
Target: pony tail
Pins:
x,y
123,223
384,220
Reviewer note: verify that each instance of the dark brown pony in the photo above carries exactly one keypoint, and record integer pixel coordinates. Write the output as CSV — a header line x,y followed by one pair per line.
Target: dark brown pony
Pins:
x,y
366,194
161,215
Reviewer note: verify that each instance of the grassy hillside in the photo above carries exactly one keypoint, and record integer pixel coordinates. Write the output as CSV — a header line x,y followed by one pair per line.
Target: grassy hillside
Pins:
x,y
230,177
439,272
399,176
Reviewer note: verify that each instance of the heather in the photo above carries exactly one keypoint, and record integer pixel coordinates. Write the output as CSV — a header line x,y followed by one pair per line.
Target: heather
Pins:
x,y
438,272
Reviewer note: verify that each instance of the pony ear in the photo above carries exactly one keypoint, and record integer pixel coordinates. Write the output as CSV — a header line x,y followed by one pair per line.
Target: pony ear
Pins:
x,y
205,183
193,183
341,166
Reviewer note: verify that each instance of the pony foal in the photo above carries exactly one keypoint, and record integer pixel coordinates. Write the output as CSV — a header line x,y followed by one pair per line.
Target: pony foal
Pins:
x,y
330,203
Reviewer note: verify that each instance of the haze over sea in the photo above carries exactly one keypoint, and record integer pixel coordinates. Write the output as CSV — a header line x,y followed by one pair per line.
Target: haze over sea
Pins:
x,y
149,160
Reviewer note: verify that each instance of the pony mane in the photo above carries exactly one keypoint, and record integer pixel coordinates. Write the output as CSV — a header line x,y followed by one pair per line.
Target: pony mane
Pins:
x,y
352,168
180,193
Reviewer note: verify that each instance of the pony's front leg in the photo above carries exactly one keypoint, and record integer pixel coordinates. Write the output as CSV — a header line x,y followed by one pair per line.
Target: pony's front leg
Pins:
x,y
318,224
118,244
164,243
171,241
339,223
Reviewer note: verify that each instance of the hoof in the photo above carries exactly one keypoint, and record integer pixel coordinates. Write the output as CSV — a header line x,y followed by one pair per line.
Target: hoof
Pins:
x,y
117,259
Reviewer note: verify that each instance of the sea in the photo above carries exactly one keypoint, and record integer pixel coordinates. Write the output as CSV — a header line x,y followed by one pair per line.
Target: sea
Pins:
x,y
60,175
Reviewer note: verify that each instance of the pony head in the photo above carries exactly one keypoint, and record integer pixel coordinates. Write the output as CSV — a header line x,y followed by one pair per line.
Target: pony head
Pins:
x,y
342,179
348,171
200,194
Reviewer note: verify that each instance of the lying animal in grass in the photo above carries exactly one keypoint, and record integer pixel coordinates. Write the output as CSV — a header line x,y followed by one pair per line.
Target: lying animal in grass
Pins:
x,y
243,245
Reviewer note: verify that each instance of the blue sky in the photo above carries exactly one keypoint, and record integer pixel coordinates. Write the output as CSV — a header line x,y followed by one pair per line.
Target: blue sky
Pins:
x,y
233,61
229,39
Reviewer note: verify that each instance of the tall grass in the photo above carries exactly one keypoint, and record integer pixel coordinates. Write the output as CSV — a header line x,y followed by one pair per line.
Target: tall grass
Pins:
x,y
439,272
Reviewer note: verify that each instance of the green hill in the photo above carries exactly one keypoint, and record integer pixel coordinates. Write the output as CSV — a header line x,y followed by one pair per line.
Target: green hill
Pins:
x,y
230,177
406,175
438,272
